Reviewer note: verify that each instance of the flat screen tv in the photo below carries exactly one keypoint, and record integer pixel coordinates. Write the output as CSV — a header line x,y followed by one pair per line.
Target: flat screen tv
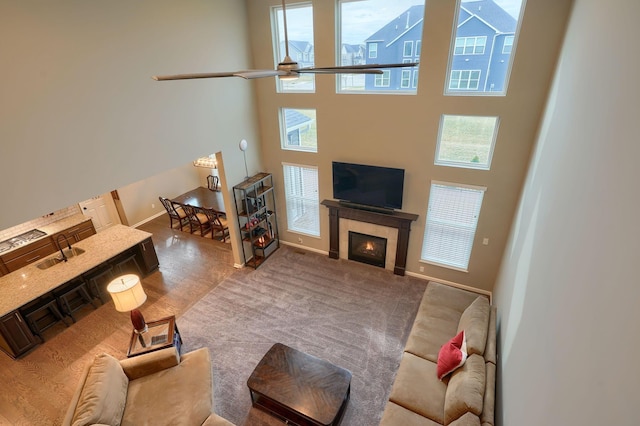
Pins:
x,y
368,185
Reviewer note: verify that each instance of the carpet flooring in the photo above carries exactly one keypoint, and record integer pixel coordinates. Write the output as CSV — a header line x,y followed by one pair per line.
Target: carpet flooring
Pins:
x,y
353,315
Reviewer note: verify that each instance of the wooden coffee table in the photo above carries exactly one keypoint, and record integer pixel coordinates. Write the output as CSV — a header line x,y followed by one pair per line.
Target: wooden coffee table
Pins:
x,y
299,388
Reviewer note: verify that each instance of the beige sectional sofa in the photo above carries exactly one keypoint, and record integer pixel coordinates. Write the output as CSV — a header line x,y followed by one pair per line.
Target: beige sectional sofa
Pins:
x,y
157,388
465,397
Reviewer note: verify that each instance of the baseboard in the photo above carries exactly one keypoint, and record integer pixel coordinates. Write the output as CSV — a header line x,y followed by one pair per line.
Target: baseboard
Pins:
x,y
148,219
298,246
452,284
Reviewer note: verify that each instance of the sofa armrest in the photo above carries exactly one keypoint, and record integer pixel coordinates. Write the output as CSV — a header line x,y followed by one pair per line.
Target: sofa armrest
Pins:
x,y
149,363
216,420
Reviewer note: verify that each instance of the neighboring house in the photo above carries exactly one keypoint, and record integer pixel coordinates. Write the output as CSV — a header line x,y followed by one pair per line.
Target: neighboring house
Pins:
x,y
397,42
297,125
300,51
352,54
484,39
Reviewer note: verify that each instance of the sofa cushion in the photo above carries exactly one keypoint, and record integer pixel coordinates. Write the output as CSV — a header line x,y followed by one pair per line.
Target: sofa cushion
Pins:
x,y
181,395
395,415
468,419
465,391
452,355
475,322
488,417
103,396
417,388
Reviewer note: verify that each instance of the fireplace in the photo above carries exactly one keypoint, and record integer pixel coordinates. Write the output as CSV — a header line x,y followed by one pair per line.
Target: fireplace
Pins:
x,y
367,249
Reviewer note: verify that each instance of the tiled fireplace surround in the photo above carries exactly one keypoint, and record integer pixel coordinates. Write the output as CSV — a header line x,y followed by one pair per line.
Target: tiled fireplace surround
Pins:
x,y
394,227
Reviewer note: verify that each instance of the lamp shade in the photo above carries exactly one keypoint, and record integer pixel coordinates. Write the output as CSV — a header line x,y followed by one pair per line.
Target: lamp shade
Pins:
x,y
206,162
127,292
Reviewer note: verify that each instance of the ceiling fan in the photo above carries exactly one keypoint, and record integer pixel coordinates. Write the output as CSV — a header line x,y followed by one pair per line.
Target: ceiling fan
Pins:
x,y
288,68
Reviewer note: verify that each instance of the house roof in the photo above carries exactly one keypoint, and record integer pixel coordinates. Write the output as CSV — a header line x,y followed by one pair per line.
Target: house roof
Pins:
x,y
295,119
352,48
301,46
403,23
489,12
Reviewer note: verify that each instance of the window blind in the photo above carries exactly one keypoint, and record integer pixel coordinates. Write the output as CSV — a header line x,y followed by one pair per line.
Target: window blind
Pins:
x,y
452,217
301,198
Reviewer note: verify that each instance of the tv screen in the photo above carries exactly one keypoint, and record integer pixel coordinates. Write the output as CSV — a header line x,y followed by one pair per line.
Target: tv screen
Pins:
x,y
368,185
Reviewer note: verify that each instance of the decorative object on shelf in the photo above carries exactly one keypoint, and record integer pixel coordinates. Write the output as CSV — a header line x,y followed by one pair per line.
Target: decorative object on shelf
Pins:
x,y
243,147
255,206
206,162
128,295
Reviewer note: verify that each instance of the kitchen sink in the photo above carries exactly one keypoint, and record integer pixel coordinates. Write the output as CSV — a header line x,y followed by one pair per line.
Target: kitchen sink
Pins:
x,y
52,261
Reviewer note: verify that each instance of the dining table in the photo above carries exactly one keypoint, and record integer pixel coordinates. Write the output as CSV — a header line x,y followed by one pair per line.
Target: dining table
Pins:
x,y
202,197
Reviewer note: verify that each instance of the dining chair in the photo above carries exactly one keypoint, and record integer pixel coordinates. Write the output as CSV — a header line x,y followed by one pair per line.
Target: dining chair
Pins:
x,y
218,223
175,212
197,219
213,182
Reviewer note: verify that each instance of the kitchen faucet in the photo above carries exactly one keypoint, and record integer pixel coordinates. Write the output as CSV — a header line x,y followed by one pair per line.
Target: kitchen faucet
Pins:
x,y
64,257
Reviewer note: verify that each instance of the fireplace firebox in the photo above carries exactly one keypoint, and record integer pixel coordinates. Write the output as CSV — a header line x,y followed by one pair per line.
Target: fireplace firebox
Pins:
x,y
367,249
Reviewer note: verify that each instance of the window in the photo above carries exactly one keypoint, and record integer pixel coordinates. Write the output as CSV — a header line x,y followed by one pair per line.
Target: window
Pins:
x,y
418,48
414,84
373,50
508,45
406,79
298,129
301,49
482,54
389,31
466,141
408,48
464,80
452,217
382,80
301,198
470,46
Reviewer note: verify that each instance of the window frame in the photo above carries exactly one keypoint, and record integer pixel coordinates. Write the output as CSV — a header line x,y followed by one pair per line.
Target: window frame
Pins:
x,y
285,131
382,80
468,80
405,82
460,164
452,224
301,200
473,46
404,49
372,53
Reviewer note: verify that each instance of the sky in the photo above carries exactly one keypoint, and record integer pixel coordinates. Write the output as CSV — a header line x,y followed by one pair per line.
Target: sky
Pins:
x,y
371,15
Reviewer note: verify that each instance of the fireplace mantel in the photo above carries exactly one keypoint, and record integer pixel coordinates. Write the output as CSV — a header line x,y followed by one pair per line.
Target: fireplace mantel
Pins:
x,y
399,220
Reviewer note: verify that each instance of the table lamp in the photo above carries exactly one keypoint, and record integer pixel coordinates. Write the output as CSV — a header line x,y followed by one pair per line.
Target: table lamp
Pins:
x,y
128,295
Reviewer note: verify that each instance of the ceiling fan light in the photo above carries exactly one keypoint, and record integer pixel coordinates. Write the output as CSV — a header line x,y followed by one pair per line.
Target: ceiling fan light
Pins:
x,y
288,77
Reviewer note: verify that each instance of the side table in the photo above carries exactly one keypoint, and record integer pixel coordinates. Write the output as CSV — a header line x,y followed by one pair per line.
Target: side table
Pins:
x,y
161,334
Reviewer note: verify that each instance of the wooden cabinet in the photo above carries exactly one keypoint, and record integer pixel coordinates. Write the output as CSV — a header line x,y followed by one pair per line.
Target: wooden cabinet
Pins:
x,y
147,257
256,208
78,232
15,336
28,254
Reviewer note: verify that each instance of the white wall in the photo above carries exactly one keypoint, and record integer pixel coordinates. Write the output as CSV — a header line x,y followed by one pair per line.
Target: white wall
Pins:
x,y
80,114
568,290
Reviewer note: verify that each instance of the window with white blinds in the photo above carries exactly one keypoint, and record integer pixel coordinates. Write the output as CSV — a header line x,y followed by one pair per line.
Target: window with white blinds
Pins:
x,y
452,217
301,197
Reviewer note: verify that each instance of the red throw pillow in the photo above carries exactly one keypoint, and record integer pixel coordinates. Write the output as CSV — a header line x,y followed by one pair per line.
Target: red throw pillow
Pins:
x,y
452,355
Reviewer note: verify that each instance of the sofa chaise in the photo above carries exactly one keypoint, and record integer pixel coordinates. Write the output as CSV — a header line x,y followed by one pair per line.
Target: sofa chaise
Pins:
x,y
464,397
156,388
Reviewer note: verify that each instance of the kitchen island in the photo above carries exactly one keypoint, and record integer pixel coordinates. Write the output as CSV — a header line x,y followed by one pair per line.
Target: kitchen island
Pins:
x,y
30,282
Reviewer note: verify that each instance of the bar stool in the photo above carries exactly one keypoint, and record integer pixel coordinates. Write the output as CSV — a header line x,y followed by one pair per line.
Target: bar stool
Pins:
x,y
73,296
94,278
127,260
41,314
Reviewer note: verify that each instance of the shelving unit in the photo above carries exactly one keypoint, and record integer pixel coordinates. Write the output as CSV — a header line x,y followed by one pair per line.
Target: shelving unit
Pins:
x,y
256,208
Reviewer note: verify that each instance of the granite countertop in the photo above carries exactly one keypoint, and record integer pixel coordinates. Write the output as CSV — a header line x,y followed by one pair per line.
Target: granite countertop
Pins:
x,y
28,283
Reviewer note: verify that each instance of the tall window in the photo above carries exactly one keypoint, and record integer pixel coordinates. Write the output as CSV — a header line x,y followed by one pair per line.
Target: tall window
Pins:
x,y
298,129
466,141
301,198
390,31
452,218
406,78
301,48
480,61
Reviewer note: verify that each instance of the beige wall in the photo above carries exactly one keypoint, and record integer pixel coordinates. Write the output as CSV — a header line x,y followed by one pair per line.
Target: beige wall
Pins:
x,y
80,114
401,131
568,289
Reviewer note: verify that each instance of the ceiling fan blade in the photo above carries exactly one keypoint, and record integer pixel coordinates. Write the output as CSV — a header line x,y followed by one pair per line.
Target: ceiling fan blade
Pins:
x,y
354,68
338,71
248,74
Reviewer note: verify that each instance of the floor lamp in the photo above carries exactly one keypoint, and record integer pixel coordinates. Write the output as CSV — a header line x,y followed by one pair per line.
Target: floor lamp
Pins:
x,y
243,147
128,295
